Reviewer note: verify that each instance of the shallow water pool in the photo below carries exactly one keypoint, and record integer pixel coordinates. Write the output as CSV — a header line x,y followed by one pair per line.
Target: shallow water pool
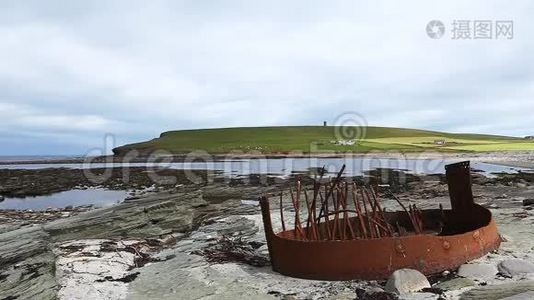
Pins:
x,y
95,197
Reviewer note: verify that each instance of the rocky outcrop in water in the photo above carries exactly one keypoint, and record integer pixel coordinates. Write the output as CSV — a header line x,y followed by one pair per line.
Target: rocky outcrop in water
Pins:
x,y
23,183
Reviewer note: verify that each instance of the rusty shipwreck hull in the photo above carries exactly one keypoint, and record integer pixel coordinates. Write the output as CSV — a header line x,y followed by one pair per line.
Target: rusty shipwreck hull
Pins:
x,y
378,258
469,233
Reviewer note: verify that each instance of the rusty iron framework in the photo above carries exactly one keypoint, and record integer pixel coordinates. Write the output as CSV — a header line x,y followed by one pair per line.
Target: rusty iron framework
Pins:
x,y
353,237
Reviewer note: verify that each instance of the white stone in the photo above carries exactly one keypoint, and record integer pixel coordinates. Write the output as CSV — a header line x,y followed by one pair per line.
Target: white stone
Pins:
x,y
250,202
419,296
515,267
406,281
479,272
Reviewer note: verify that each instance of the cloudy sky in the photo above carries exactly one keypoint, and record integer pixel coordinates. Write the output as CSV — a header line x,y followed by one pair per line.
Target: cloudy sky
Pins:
x,y
73,71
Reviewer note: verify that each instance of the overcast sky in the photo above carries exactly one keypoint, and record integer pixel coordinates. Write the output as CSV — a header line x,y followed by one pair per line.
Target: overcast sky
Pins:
x,y
73,71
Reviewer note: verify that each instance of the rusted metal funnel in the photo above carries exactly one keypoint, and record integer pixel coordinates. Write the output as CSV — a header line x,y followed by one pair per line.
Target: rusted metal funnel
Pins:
x,y
439,247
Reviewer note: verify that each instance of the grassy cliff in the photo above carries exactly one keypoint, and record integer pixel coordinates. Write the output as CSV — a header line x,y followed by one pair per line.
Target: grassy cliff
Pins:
x,y
322,139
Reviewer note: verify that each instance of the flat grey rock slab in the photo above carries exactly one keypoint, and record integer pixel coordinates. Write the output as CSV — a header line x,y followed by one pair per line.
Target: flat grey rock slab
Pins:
x,y
455,284
478,272
26,265
500,291
522,296
515,267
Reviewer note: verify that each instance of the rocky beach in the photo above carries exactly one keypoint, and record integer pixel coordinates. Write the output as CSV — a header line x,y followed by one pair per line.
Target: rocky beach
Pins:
x,y
296,150
172,238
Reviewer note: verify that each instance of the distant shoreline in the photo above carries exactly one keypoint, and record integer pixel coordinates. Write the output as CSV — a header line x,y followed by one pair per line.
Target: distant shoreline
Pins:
x,y
523,159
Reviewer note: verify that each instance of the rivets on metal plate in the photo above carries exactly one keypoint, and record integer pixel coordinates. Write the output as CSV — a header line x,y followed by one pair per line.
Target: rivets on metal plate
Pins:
x,y
400,248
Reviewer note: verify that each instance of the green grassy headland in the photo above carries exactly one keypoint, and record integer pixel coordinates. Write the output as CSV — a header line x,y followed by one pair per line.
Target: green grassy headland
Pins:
x,y
318,139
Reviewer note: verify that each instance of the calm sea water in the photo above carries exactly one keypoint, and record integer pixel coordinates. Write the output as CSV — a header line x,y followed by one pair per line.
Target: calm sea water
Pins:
x,y
29,158
234,168
286,166
95,197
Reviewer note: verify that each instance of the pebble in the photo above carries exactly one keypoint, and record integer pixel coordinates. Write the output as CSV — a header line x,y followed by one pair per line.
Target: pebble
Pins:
x,y
345,296
2,198
515,267
479,272
406,281
250,202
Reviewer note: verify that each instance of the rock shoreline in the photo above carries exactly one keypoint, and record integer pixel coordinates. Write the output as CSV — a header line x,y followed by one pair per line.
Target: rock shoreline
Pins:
x,y
199,241
27,182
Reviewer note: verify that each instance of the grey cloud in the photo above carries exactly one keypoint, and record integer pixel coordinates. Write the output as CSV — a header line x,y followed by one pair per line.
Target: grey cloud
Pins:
x,y
136,68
